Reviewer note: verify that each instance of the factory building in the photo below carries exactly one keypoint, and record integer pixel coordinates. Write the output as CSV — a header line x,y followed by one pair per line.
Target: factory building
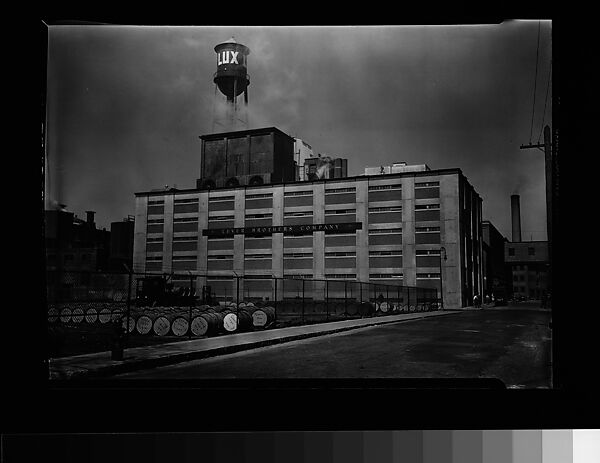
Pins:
x,y
527,261
248,215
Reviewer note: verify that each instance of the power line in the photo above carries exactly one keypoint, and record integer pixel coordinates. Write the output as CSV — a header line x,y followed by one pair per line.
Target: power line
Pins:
x,y
535,80
546,100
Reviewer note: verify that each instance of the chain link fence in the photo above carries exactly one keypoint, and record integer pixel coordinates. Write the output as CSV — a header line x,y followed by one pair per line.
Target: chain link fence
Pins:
x,y
92,312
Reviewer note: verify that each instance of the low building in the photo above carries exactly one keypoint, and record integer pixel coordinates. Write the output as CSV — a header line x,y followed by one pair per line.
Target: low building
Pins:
x,y
528,264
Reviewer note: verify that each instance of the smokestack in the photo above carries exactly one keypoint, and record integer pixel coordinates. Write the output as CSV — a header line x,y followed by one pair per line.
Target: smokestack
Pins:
x,y
516,218
90,217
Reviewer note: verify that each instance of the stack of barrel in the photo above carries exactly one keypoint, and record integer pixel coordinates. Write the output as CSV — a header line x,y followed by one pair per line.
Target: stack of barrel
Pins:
x,y
204,320
85,312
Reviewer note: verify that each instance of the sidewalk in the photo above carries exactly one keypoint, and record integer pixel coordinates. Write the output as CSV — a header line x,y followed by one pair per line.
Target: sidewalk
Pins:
x,y
139,358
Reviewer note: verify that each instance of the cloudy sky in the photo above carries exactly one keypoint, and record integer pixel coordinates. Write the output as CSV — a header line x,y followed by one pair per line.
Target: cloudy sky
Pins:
x,y
126,104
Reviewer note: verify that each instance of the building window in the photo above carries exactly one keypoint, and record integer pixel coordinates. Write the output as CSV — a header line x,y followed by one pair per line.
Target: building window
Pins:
x,y
185,257
257,256
185,219
260,216
340,254
69,257
185,238
385,187
220,218
340,190
531,251
397,253
219,278
385,209
340,276
298,193
385,231
340,211
301,276
156,220
427,252
260,196
154,258
426,184
220,257
426,229
428,276
511,251
156,202
221,198
186,201
385,276
298,214
258,277
298,255
421,207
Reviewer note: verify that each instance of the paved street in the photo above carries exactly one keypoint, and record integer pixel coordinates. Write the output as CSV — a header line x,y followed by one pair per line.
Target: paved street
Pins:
x,y
510,343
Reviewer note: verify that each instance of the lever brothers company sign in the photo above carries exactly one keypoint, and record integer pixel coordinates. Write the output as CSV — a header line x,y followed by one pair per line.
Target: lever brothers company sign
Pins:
x,y
291,229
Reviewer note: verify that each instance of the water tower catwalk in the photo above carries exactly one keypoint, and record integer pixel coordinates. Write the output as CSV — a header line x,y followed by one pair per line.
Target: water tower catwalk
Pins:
x,y
232,80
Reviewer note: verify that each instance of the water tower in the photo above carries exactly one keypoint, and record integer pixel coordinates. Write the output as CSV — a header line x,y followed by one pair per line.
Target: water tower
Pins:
x,y
231,79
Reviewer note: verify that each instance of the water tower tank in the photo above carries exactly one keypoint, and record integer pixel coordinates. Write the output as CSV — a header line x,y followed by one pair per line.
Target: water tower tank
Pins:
x,y
231,76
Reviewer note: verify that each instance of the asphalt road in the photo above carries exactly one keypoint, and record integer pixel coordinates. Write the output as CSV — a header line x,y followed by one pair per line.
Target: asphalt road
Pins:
x,y
511,343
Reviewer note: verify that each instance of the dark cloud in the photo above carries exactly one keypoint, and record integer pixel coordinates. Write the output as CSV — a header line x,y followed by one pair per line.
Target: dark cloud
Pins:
x,y
126,104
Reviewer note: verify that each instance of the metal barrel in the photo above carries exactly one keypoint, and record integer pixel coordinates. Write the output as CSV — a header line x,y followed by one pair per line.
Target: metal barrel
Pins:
x,y
238,320
352,307
206,323
263,316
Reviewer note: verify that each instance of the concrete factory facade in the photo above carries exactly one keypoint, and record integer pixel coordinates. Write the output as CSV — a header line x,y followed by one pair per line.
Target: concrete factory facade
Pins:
x,y
386,228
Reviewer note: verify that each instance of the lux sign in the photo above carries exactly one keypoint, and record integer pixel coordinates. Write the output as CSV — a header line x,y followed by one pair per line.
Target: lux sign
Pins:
x,y
224,58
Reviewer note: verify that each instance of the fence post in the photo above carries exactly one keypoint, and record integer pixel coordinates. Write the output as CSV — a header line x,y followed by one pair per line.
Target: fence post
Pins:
x,y
327,300
191,302
387,294
346,298
275,304
408,299
303,300
128,307
237,299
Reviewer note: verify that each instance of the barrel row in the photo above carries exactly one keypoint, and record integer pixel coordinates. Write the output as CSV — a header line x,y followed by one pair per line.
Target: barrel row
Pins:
x,y
203,323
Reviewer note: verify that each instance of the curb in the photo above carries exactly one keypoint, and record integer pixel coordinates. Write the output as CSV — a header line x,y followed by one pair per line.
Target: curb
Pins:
x,y
172,359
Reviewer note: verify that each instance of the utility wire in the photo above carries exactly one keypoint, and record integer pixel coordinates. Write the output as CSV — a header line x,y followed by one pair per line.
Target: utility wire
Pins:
x,y
535,81
545,101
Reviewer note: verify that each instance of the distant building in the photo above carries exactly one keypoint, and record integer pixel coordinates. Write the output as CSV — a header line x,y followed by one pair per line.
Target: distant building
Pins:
x,y
528,264
495,277
325,167
121,245
527,261
75,244
302,151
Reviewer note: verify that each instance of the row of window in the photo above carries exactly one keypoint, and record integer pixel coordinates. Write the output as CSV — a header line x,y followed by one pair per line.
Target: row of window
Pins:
x,y
302,255
397,186
530,251
309,213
